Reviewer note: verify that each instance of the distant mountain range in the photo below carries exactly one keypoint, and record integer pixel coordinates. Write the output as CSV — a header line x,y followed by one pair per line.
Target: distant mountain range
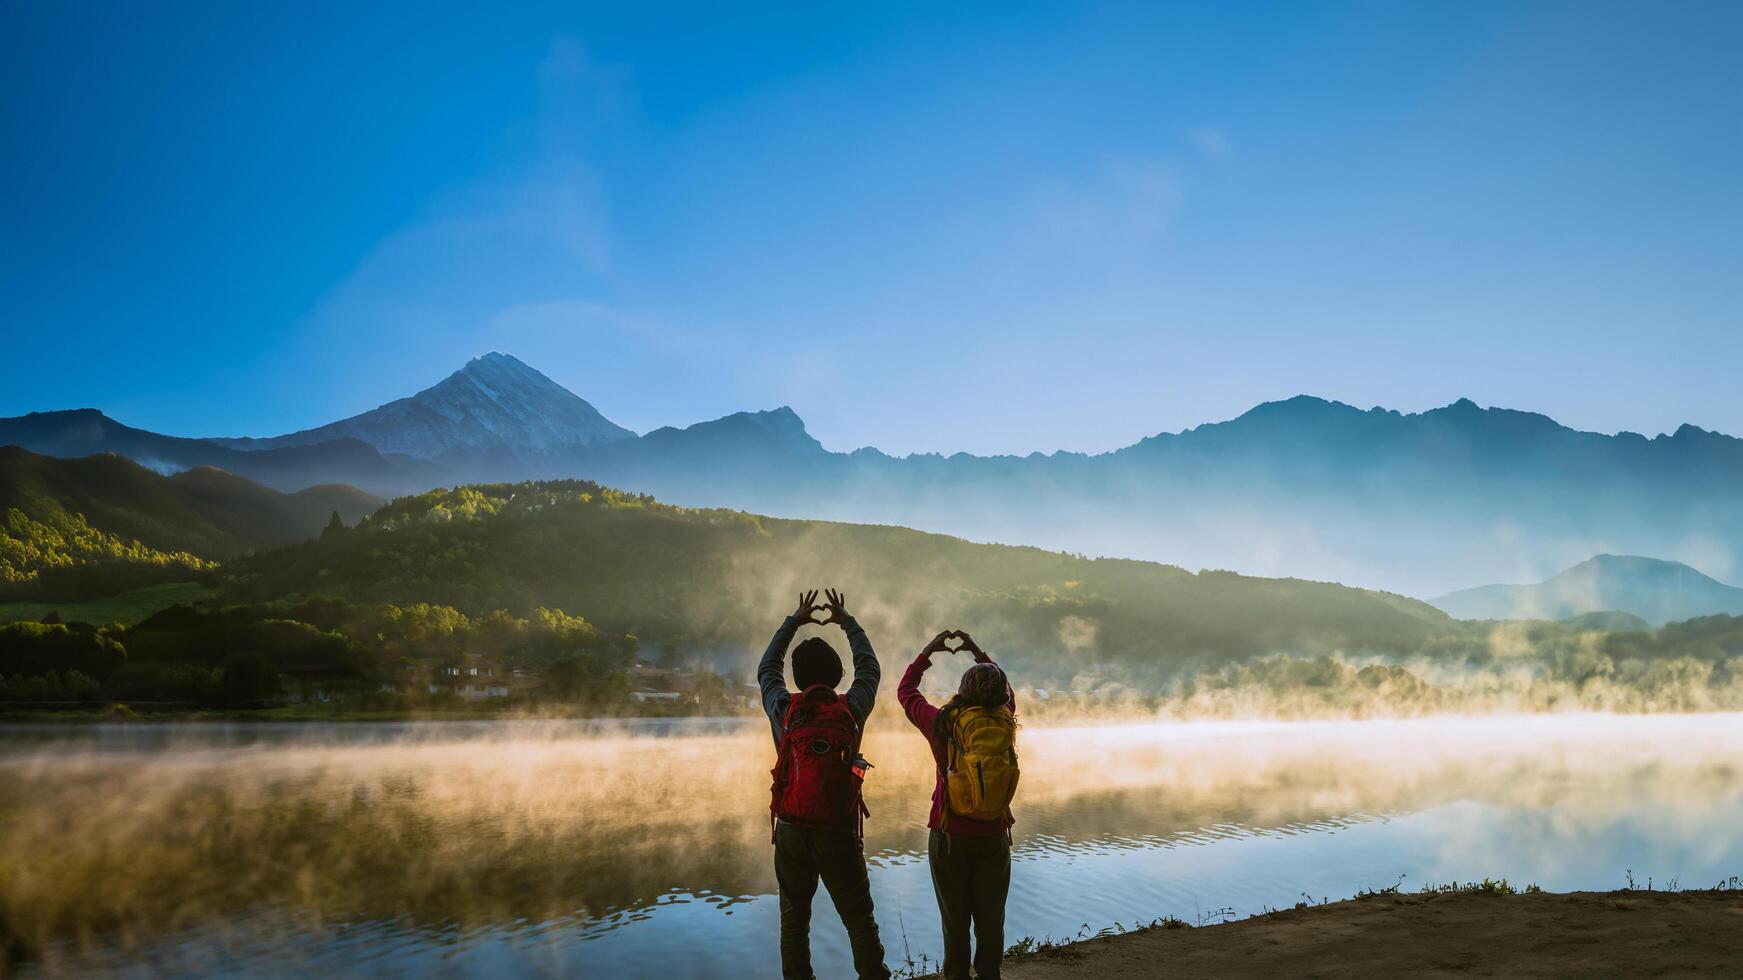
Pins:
x,y
1656,591
86,431
1418,503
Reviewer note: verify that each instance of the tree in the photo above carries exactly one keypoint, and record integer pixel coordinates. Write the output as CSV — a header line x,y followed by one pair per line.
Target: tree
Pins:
x,y
161,682
78,686
248,678
33,649
334,526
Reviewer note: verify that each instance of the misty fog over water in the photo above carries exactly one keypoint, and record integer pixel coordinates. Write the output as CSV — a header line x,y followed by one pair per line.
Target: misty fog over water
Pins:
x,y
603,849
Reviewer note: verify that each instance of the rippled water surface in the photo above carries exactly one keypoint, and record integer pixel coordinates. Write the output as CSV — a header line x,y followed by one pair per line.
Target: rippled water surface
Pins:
x,y
642,849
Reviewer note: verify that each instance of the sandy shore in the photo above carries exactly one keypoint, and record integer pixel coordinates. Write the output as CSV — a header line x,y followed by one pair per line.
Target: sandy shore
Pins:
x,y
1582,934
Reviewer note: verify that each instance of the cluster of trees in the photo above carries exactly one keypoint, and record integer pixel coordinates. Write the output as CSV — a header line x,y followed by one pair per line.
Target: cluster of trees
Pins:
x,y
1695,665
60,554
71,686
573,660
240,654
79,662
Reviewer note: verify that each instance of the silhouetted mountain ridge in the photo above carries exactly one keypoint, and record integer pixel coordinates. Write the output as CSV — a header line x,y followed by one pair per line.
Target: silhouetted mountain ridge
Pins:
x,y
1305,486
84,432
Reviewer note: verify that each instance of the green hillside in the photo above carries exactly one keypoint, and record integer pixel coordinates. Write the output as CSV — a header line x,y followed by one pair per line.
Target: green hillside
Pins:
x,y
78,528
713,583
560,589
126,608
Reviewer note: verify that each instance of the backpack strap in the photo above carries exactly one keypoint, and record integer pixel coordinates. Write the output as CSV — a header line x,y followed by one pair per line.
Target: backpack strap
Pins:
x,y
780,771
857,775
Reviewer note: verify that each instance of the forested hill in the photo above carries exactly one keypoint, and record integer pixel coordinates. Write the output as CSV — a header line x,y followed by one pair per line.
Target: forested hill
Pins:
x,y
573,589
712,584
79,527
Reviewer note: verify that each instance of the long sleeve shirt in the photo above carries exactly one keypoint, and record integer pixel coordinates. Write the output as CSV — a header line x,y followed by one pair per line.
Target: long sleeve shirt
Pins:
x,y
924,716
861,695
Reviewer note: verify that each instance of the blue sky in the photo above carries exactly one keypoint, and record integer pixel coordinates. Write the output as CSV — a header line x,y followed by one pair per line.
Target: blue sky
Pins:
x,y
993,228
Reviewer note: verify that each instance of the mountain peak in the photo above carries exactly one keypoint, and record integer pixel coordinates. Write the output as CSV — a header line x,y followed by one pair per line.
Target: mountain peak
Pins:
x,y
497,373
1300,406
494,403
1656,590
777,429
1635,565
496,361
782,417
782,422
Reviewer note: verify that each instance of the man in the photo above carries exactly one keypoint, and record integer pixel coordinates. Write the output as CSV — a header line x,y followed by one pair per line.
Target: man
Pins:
x,y
816,828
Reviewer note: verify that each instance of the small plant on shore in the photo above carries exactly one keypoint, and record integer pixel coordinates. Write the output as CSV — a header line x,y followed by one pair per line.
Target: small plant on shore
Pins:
x,y
1215,916
910,970
1488,886
1392,889
1031,946
1673,885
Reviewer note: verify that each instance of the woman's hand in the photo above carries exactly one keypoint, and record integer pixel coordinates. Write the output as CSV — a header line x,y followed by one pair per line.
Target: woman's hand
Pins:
x,y
807,605
971,646
937,644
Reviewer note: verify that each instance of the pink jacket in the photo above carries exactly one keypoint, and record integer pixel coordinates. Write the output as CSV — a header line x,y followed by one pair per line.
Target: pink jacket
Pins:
x,y
924,715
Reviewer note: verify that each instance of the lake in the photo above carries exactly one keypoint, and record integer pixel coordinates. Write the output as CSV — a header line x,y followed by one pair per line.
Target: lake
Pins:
x,y
642,849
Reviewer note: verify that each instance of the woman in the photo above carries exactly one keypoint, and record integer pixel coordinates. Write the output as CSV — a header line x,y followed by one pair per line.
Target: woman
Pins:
x,y
972,738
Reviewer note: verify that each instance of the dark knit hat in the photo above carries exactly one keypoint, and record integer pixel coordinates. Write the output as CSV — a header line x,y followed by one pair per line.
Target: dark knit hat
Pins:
x,y
816,662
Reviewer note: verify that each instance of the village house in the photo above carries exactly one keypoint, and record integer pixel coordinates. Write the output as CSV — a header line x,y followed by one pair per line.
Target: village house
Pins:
x,y
656,684
472,682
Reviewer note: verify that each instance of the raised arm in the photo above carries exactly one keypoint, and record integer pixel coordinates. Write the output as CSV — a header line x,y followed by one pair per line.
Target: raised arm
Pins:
x,y
921,712
772,669
862,694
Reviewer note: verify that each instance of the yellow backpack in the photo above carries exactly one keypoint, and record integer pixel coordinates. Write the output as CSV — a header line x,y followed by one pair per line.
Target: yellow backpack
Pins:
x,y
982,776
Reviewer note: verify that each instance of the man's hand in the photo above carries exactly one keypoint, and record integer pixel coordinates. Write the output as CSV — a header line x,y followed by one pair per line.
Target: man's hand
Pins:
x,y
837,606
807,605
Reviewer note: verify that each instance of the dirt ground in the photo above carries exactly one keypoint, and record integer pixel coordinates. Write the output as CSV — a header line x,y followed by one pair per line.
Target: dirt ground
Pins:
x,y
1583,934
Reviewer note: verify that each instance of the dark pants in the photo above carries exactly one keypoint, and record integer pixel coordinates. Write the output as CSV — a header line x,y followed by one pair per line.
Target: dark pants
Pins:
x,y
971,878
802,856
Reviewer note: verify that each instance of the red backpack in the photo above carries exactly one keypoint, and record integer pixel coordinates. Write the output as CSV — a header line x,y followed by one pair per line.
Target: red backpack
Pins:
x,y
817,772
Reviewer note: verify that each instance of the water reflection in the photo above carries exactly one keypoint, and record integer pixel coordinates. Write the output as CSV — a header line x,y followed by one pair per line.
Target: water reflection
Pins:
x,y
537,847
